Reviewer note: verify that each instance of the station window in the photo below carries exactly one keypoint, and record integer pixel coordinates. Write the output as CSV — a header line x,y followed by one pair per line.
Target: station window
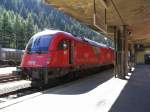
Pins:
x,y
63,44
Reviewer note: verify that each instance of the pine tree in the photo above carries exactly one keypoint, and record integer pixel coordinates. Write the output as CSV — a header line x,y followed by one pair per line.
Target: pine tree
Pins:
x,y
6,29
30,27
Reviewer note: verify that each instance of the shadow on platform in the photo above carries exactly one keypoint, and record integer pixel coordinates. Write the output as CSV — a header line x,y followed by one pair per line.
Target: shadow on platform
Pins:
x,y
135,97
83,85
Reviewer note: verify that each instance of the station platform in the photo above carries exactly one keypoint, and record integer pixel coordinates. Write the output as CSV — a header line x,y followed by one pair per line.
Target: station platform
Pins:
x,y
14,86
97,93
7,87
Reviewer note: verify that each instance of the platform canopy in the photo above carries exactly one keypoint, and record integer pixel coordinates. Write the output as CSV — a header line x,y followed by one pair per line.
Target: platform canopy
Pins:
x,y
102,14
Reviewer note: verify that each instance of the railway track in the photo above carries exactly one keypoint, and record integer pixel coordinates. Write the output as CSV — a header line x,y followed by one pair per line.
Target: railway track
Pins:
x,y
8,78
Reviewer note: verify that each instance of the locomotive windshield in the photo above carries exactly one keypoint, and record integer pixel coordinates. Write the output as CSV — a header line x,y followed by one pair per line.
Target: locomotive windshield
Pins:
x,y
39,44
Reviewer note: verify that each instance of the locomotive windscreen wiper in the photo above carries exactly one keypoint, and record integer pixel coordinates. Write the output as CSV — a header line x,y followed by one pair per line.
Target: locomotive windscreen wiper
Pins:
x,y
38,52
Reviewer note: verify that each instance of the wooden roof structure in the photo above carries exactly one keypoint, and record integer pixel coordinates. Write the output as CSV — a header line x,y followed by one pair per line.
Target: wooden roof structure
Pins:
x,y
99,14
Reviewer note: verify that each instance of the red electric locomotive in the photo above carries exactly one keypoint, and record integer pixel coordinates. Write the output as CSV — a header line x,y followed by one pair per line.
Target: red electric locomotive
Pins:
x,y
52,53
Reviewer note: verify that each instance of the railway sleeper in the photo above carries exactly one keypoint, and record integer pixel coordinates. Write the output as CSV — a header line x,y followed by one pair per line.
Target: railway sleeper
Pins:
x,y
8,79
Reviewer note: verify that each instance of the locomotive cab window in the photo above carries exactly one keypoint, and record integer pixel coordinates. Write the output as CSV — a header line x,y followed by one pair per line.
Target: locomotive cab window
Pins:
x,y
63,45
39,43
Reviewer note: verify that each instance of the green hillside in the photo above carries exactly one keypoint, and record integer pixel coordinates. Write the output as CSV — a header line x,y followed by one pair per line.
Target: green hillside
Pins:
x,y
20,19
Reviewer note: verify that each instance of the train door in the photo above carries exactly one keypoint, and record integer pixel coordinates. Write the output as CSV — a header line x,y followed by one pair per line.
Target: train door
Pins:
x,y
71,48
62,53
65,52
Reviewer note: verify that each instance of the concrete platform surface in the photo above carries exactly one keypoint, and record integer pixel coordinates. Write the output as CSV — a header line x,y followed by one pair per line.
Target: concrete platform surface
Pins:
x,y
14,86
135,96
97,93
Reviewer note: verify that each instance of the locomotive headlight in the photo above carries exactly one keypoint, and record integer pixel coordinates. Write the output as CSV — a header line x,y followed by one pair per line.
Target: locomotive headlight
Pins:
x,y
48,60
31,62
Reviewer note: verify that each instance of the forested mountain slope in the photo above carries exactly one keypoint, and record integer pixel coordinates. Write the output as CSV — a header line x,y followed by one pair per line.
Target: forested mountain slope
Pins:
x,y
20,19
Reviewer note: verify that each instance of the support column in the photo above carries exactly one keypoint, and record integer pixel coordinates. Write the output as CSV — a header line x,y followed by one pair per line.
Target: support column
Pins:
x,y
133,59
130,56
121,52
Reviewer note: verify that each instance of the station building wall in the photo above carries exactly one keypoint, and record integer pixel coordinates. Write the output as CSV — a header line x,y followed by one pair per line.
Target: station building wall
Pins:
x,y
140,55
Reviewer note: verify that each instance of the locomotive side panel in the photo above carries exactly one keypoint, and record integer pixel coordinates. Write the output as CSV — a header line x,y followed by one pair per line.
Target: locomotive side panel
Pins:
x,y
95,52
61,51
102,59
86,54
112,56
